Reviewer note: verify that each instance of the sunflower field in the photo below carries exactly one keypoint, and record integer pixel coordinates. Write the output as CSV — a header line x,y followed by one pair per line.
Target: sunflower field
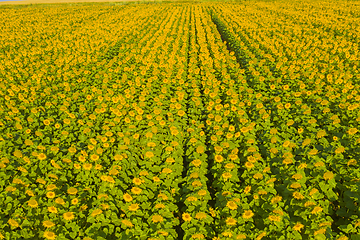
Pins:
x,y
183,120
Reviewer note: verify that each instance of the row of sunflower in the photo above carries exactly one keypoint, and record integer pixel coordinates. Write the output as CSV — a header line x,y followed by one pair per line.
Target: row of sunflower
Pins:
x,y
232,138
158,146
86,146
197,222
300,145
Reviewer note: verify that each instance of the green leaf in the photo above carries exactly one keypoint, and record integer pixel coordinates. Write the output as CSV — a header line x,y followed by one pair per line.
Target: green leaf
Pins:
x,y
346,228
191,208
73,235
355,237
324,187
25,223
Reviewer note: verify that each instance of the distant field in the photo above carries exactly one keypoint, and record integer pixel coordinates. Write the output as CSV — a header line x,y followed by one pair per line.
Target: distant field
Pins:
x,y
64,1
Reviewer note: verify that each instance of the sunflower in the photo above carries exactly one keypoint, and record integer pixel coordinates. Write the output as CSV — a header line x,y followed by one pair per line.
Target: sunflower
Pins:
x,y
276,199
352,131
230,221
33,203
83,207
68,216
137,181
241,236
166,170
277,211
94,157
98,167
320,231
126,223
191,199
321,133
316,210
87,166
72,191
248,214
13,223
127,197
202,192
200,149
274,151
29,193
258,176
343,238
339,150
298,195
133,207
74,201
135,136
156,179
351,162
313,151
41,156
157,218
149,154
263,234
181,113
49,235
28,142
218,149
72,150
295,185
306,142
298,227
262,192
249,165
200,215
48,224
163,196
96,212
196,162
50,194
136,190
104,206
229,165
219,158
286,143
52,209
297,176
313,191
328,175
60,201
214,138
226,175
143,173
232,205
186,217
198,236
159,205
42,181
274,218
247,189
